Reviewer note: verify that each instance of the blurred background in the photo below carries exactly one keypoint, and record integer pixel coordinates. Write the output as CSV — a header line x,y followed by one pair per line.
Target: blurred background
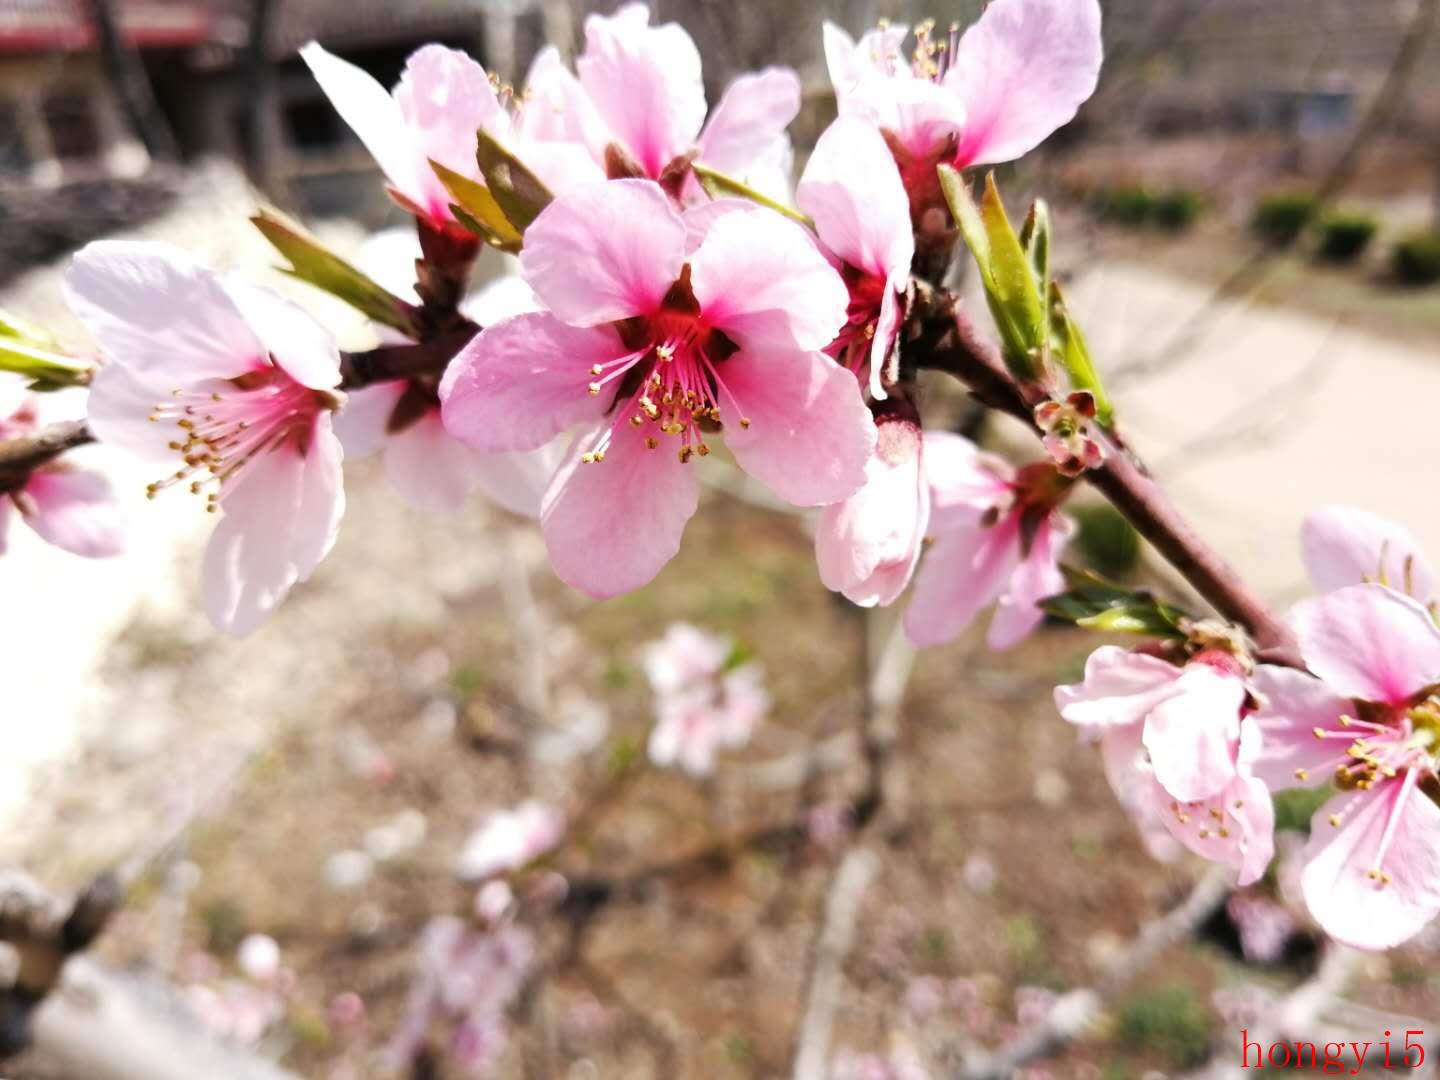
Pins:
x,y
1249,221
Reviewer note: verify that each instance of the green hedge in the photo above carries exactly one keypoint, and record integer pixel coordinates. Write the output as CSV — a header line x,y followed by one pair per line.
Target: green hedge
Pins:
x,y
1280,219
1345,236
1417,259
1134,206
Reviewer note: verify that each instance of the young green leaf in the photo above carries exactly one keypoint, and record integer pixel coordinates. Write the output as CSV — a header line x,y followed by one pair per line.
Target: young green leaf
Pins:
x,y
45,369
718,186
477,210
313,263
1096,605
1074,355
518,191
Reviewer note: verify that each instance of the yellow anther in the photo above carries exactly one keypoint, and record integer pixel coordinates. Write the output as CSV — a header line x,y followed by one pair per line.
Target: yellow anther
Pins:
x,y
596,369
1335,820
593,389
651,443
1302,775
686,453
703,450
744,421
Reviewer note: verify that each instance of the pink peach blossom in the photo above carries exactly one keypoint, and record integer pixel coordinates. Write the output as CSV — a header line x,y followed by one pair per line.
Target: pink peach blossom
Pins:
x,y
509,839
867,547
1368,724
701,706
640,89
1343,546
988,96
853,192
1176,744
998,539
233,388
69,507
659,330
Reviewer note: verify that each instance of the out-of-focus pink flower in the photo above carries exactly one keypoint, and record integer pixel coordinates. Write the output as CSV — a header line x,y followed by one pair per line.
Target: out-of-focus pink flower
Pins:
x,y
655,337
509,839
867,547
1344,546
428,467
1369,725
640,89
467,977
981,98
347,1011
1176,738
233,388
700,707
1264,926
853,192
829,824
999,536
69,507
236,1011
850,1065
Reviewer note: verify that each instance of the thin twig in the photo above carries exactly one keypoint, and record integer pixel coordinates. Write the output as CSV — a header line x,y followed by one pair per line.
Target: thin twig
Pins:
x,y
1072,1013
837,932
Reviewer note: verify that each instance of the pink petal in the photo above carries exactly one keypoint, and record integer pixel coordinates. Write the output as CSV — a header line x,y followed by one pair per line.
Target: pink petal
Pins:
x,y
645,82
1292,705
851,65
1236,827
1119,689
561,167
761,279
1037,577
701,217
281,516
75,510
119,408
605,252
853,190
612,525
1344,546
518,481
965,484
963,572
557,109
507,295
154,309
754,111
1368,642
521,382
373,115
867,546
445,98
810,433
1348,904
298,344
921,114
4,525
361,425
1024,69
1191,735
428,467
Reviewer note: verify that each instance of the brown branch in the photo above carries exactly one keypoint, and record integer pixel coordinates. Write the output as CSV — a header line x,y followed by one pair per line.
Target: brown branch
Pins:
x,y
22,456
949,342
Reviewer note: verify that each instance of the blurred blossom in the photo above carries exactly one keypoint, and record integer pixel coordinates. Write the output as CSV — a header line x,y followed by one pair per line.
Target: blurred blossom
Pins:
x,y
828,825
509,839
1032,1005
363,757
1264,926
582,726
467,977
348,869
700,706
979,873
924,996
850,1065
493,902
438,719
236,1011
346,1011
259,957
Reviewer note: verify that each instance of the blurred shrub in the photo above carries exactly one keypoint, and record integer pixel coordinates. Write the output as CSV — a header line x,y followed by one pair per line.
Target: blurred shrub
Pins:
x,y
1107,542
1171,1021
1345,236
1128,205
1417,259
1177,210
1279,219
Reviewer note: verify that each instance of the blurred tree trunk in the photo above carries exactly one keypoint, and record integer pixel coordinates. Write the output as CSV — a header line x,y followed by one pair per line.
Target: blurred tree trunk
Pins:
x,y
130,84
263,138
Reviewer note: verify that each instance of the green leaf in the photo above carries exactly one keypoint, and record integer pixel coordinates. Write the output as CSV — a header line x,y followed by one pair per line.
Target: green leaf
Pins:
x,y
518,191
718,186
46,370
1074,354
316,265
1294,807
1035,239
1011,287
1096,605
477,210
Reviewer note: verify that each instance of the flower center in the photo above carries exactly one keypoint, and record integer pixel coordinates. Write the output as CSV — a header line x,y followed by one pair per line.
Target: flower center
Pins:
x,y
224,424
669,384
851,346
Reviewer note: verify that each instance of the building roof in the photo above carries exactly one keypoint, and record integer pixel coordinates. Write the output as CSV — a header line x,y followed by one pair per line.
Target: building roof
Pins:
x,y
65,26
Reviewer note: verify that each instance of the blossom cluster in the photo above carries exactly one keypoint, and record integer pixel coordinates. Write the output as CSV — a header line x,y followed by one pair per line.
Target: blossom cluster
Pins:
x,y
1196,736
